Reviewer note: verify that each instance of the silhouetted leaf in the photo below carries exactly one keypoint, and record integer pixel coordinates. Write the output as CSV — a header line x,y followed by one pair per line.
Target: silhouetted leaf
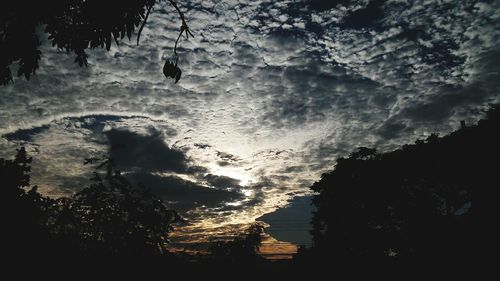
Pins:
x,y
178,75
171,70
108,41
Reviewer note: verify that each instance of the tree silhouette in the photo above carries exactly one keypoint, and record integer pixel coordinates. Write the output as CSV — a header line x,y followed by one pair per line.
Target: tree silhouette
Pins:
x,y
115,217
111,217
432,200
73,26
242,249
23,208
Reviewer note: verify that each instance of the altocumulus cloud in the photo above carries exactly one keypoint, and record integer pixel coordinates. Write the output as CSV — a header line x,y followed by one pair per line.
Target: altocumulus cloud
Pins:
x,y
311,80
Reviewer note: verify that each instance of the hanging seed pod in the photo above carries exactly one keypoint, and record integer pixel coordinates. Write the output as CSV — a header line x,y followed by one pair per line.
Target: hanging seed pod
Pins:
x,y
170,69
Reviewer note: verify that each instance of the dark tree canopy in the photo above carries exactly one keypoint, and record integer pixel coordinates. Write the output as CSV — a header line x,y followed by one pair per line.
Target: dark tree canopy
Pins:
x,y
242,248
114,217
110,218
73,26
432,200
23,210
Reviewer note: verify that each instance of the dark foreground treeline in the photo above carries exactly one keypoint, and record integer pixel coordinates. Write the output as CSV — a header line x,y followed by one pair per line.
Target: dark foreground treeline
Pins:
x,y
111,217
433,201
111,225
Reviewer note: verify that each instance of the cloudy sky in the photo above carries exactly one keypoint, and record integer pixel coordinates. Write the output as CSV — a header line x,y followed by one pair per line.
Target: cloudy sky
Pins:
x,y
272,93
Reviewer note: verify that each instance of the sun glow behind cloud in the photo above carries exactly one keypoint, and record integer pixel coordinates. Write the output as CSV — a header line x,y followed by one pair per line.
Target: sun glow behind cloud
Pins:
x,y
244,177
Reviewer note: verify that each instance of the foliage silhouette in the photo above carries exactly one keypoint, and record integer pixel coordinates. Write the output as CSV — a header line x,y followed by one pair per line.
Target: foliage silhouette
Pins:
x,y
23,208
72,26
111,217
432,200
114,217
242,249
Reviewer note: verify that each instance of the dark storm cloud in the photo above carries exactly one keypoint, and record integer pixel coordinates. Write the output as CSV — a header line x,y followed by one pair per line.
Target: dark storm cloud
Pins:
x,y
183,194
25,134
222,182
149,152
197,170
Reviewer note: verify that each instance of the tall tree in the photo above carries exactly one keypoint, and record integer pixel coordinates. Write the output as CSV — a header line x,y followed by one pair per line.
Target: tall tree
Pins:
x,y
111,217
114,217
430,200
23,209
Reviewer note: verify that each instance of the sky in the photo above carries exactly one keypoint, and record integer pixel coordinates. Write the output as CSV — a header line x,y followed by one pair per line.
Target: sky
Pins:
x,y
272,93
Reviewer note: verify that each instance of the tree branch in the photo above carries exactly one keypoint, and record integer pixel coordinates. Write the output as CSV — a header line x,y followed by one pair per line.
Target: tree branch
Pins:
x,y
143,24
184,26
